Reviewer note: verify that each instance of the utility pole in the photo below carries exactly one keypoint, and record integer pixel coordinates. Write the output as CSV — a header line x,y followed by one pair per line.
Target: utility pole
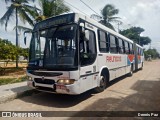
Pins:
x,y
17,41
150,46
139,40
55,8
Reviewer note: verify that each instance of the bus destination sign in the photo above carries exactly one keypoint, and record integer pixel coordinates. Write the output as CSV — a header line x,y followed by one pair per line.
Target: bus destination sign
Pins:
x,y
55,21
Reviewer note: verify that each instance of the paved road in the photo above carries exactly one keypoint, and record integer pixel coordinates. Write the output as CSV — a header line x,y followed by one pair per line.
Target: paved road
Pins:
x,y
141,92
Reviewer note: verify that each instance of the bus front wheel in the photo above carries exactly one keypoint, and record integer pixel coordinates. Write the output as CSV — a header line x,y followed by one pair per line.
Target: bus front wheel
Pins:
x,y
102,84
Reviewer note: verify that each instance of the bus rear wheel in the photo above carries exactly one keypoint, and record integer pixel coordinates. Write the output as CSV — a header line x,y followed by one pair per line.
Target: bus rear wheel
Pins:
x,y
131,71
141,66
103,84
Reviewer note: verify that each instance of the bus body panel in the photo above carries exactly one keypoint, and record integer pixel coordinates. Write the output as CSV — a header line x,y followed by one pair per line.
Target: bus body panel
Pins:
x,y
88,77
139,56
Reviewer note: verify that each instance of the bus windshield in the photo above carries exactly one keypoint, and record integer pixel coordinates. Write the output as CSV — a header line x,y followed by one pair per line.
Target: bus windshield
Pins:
x,y
54,47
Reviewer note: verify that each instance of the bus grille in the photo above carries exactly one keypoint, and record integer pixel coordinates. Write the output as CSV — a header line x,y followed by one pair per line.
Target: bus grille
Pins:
x,y
44,81
45,89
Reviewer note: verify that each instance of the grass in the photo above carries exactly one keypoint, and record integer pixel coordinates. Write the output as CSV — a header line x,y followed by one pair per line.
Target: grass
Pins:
x,y
13,71
4,81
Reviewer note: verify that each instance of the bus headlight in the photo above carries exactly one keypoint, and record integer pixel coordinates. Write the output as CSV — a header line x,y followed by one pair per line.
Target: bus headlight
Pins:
x,y
29,78
66,81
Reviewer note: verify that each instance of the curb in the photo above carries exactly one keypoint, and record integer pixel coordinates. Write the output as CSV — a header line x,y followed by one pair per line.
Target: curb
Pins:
x,y
10,97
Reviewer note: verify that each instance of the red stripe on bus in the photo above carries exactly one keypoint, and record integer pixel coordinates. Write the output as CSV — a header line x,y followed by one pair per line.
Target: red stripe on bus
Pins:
x,y
131,58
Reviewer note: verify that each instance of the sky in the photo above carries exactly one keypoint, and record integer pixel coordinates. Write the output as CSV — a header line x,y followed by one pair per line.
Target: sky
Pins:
x,y
139,13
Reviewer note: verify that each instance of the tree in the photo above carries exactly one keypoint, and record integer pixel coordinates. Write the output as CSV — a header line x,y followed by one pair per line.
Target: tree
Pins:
x,y
133,33
24,52
108,16
50,8
8,51
153,52
19,8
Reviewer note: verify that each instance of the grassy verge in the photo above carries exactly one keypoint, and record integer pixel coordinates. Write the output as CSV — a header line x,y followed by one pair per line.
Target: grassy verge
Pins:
x,y
13,71
4,81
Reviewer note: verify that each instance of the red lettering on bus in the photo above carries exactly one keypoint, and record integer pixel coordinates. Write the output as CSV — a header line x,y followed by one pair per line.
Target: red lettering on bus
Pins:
x,y
113,58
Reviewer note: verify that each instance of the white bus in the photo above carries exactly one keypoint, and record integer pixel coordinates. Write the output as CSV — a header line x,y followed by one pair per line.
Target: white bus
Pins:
x,y
139,57
72,53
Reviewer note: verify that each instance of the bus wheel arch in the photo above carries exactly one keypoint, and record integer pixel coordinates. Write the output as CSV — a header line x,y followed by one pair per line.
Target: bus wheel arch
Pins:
x,y
103,80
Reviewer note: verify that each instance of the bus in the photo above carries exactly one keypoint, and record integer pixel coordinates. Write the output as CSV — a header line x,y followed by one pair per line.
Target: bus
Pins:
x,y
139,57
72,53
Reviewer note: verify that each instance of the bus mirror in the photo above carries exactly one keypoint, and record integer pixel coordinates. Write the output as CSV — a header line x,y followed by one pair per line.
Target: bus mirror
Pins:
x,y
82,27
86,35
25,39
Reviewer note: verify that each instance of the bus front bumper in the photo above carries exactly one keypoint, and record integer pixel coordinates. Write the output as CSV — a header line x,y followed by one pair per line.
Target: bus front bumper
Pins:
x,y
71,89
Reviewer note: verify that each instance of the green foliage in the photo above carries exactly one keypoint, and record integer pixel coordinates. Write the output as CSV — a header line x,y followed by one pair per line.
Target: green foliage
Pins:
x,y
108,16
8,51
153,52
50,8
23,11
24,52
133,33
4,81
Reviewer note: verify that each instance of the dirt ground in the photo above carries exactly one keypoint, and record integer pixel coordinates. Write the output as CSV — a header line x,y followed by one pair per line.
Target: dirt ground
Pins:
x,y
141,92
11,71
12,64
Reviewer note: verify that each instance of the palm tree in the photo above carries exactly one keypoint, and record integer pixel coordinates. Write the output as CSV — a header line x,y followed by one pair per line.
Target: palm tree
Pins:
x,y
50,8
108,16
19,8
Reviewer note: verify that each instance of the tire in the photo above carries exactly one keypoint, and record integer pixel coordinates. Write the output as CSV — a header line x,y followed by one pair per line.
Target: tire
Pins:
x,y
103,84
141,67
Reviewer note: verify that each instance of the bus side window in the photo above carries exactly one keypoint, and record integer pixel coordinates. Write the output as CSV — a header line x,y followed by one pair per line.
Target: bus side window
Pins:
x,y
103,41
113,44
126,47
131,48
88,49
137,50
142,52
121,47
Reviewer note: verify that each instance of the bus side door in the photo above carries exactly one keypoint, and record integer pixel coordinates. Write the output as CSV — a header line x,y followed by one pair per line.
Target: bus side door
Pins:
x,y
88,61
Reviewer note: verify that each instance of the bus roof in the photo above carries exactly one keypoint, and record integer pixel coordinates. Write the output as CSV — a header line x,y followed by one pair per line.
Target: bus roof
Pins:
x,y
99,25
85,18
139,46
